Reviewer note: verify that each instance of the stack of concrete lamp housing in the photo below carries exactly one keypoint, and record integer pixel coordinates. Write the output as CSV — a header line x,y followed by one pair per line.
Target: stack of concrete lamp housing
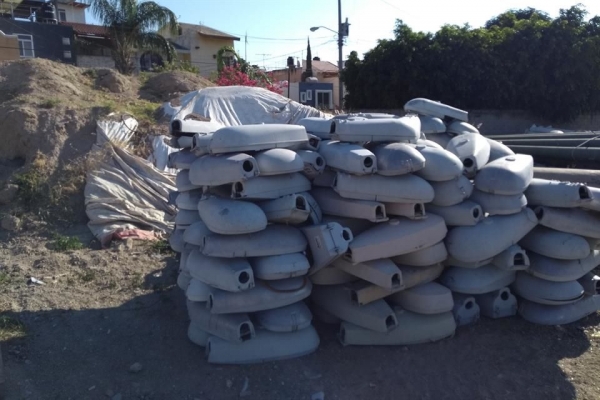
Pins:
x,y
243,266
396,229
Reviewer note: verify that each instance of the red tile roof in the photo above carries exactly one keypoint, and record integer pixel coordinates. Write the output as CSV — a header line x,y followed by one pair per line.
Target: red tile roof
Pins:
x,y
322,66
87,30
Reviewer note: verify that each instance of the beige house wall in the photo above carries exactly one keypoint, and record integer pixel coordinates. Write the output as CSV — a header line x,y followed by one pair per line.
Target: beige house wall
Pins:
x,y
73,14
9,47
203,49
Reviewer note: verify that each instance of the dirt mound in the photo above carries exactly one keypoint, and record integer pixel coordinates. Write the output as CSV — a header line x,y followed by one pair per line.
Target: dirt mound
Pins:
x,y
112,80
168,85
38,78
48,114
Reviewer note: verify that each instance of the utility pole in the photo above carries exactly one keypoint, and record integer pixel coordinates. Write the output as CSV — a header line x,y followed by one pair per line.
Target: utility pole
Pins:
x,y
340,58
246,46
263,56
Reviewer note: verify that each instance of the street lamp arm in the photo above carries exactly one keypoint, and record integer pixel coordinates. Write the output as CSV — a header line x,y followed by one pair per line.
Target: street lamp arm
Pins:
x,y
314,28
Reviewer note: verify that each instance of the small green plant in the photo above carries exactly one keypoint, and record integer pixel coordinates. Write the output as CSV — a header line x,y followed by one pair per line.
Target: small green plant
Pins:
x,y
50,103
33,183
87,276
177,65
92,73
161,247
11,328
112,285
137,281
67,243
142,110
4,278
143,77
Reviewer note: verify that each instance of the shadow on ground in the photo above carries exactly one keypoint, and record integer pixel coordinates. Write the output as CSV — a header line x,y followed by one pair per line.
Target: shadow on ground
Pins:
x,y
87,354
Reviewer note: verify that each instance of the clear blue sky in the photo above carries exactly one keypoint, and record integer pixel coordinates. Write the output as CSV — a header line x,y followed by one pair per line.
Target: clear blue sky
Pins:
x,y
279,29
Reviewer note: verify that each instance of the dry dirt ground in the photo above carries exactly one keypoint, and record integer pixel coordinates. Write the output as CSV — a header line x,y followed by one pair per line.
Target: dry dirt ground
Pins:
x,y
102,310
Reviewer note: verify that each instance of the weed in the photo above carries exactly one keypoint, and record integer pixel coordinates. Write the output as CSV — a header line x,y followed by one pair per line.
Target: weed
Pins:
x,y
33,183
4,278
177,65
50,103
91,73
11,328
142,110
87,276
137,281
143,77
111,285
161,247
67,243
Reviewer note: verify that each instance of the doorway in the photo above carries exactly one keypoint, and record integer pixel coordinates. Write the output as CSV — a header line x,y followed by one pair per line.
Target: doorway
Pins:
x,y
324,99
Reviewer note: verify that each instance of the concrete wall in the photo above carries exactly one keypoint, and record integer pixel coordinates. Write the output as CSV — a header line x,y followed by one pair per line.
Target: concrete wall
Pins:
x,y
336,92
95,62
73,14
294,91
497,122
9,47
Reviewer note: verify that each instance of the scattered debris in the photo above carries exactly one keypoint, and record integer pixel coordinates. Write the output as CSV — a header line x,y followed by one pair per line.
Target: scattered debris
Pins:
x,y
135,367
35,281
245,392
318,396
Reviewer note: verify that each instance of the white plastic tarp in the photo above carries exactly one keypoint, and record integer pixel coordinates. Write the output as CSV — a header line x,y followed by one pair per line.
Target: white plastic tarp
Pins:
x,y
126,192
160,154
119,129
242,105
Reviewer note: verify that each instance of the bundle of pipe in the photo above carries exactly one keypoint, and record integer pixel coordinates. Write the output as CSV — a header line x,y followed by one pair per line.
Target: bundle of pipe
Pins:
x,y
566,147
243,265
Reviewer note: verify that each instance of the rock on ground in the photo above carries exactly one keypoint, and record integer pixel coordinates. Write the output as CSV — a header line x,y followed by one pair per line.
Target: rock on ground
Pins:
x,y
8,193
10,223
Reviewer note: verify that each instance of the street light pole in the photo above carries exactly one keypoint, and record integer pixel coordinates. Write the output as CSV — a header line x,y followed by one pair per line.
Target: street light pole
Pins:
x,y
340,58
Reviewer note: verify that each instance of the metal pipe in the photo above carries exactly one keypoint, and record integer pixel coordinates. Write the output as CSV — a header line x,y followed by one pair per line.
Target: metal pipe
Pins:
x,y
573,135
582,142
560,153
590,177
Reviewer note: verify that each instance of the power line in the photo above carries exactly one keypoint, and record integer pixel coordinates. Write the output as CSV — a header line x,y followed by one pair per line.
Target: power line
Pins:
x,y
296,52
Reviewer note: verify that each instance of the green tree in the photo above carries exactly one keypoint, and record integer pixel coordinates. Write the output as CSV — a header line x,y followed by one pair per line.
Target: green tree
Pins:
x,y
520,59
133,25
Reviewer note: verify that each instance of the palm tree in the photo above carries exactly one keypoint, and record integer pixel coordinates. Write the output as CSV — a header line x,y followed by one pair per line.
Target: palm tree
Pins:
x,y
133,26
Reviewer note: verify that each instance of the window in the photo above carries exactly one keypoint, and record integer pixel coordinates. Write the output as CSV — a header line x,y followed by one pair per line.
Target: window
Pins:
x,y
303,97
324,98
62,15
67,54
309,95
66,41
26,46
